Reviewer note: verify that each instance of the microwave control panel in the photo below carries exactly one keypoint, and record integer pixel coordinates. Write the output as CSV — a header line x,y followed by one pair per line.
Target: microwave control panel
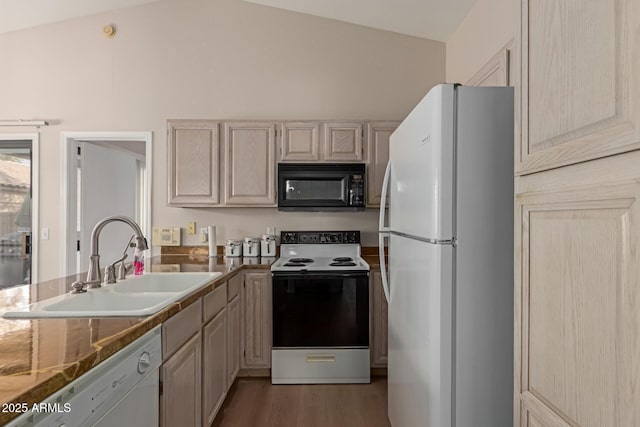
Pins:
x,y
356,190
319,237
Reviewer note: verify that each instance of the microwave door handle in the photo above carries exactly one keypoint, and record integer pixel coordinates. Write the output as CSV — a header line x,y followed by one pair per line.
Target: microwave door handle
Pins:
x,y
383,267
383,200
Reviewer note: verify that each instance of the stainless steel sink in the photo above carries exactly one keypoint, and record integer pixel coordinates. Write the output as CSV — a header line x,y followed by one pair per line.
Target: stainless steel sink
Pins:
x,y
135,296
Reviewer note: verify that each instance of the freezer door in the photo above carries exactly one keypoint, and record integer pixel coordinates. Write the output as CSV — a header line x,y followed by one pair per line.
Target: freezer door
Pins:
x,y
420,322
421,173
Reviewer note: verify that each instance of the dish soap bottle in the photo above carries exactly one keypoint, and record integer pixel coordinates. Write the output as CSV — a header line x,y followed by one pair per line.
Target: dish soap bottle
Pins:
x,y
138,262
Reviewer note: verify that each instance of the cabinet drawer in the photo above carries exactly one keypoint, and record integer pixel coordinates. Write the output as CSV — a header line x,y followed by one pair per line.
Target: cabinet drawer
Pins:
x,y
235,283
177,330
214,301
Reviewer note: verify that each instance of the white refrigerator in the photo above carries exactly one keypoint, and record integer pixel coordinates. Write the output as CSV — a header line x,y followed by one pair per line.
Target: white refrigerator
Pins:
x,y
449,275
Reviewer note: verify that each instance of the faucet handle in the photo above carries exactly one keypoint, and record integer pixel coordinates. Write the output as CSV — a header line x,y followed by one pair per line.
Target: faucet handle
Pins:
x,y
109,274
123,269
79,287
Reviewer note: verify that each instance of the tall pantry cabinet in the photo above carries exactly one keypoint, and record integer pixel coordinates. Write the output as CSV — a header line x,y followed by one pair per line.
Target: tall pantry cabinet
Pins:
x,y
577,214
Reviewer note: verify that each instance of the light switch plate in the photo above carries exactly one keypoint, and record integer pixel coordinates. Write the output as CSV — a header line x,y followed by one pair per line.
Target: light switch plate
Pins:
x,y
191,227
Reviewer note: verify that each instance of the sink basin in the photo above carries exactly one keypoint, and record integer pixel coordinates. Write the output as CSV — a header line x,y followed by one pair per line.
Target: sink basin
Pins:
x,y
136,296
162,282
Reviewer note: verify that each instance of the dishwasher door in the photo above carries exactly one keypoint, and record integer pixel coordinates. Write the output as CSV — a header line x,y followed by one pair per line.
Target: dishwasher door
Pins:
x,y
127,412
123,390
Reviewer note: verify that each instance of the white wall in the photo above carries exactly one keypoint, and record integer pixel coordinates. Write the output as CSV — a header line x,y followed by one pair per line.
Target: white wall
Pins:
x,y
489,26
205,59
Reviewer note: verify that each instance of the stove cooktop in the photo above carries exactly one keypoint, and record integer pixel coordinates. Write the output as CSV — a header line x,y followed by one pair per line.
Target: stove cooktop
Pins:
x,y
320,251
320,264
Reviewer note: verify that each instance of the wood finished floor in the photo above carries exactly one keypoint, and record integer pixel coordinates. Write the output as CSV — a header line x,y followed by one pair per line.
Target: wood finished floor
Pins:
x,y
258,403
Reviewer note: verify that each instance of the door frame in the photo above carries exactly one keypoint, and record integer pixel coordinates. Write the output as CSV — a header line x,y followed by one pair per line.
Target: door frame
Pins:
x,y
35,193
68,168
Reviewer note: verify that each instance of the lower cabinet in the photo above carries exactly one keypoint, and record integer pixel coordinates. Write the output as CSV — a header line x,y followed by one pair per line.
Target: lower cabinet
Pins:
x,y
257,320
214,366
194,372
378,318
206,344
181,387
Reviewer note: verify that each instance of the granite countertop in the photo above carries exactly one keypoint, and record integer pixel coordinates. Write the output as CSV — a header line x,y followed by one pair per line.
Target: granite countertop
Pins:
x,y
40,356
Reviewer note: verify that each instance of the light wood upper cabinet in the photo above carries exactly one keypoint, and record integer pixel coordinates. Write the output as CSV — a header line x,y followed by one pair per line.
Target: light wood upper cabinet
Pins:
x,y
181,383
299,141
250,166
578,96
214,366
378,134
343,141
193,163
498,71
379,318
578,295
257,320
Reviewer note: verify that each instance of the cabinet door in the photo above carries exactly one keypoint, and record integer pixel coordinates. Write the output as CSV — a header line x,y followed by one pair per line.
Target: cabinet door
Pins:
x,y
193,169
342,141
214,366
257,320
378,134
497,71
250,167
180,401
299,141
379,352
233,313
578,295
577,98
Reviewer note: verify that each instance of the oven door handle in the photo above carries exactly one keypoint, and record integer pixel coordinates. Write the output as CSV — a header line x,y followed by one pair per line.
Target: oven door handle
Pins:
x,y
383,266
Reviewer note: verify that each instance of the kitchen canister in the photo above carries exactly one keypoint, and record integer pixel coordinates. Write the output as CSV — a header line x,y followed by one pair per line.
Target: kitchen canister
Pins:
x,y
251,247
233,248
268,245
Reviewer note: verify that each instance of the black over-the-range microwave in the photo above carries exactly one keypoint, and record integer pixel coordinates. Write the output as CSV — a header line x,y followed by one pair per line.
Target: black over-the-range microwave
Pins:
x,y
321,186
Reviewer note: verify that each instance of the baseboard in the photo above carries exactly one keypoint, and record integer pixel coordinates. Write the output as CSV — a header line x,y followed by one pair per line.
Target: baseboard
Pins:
x,y
378,372
264,372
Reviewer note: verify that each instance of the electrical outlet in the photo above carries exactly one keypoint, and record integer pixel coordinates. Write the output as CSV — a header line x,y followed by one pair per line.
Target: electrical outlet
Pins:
x,y
191,227
203,234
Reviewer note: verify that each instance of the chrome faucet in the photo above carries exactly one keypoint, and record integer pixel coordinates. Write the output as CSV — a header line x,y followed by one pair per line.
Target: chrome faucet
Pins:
x,y
94,275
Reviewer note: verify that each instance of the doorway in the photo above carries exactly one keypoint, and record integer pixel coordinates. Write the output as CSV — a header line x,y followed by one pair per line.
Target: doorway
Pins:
x,y
106,174
18,209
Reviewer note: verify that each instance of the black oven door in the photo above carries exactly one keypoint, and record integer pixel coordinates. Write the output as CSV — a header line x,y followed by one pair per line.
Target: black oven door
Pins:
x,y
320,309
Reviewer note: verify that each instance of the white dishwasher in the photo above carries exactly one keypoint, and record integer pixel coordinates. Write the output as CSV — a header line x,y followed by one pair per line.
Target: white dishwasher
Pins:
x,y
121,391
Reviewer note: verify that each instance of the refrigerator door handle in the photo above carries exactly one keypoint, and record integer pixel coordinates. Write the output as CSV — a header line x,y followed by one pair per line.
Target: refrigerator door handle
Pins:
x,y
383,267
383,200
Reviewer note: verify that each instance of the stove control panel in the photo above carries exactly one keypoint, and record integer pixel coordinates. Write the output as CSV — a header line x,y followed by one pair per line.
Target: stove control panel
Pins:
x,y
319,237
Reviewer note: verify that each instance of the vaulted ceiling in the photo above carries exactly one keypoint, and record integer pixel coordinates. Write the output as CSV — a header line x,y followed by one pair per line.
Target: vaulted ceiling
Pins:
x,y
431,19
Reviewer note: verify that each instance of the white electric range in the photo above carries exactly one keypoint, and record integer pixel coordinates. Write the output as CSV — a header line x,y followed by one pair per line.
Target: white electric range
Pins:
x,y
320,309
